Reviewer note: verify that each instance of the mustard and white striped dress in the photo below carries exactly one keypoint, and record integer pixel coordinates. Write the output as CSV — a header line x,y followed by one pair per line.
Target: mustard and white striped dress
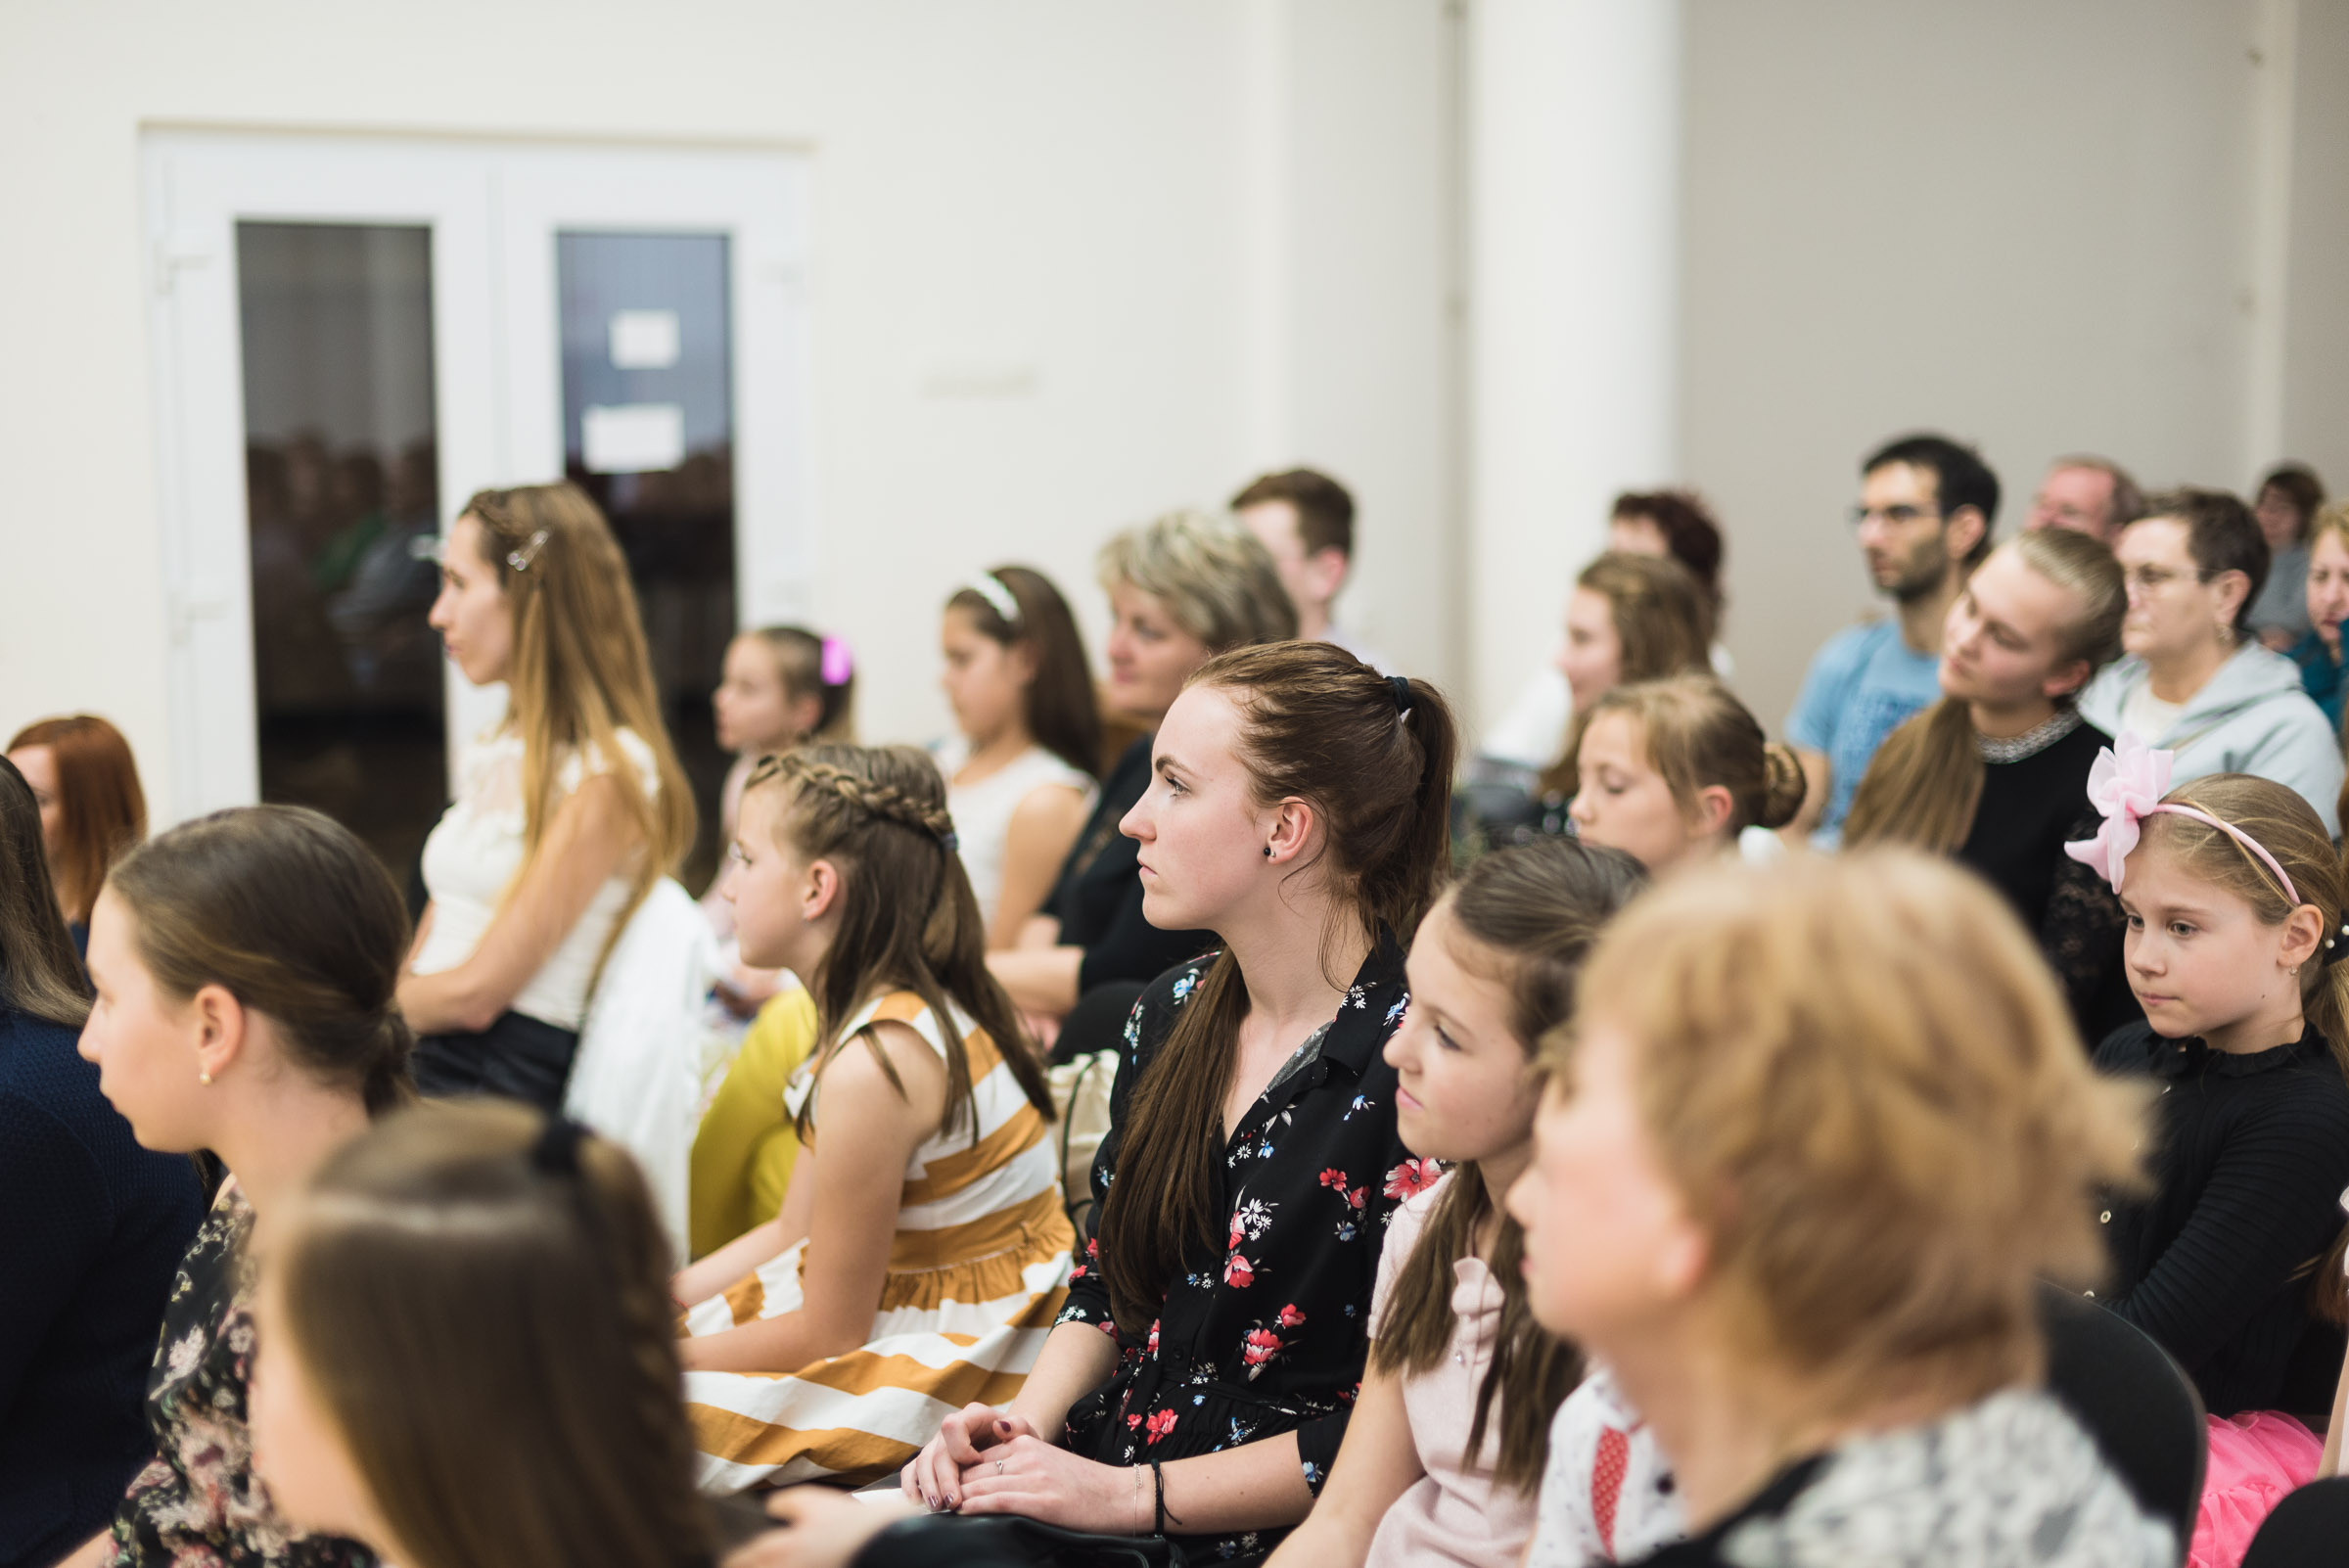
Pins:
x,y
977,1273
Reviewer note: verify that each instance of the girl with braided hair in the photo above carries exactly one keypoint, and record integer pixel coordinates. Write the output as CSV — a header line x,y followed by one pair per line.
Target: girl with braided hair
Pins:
x,y
922,1251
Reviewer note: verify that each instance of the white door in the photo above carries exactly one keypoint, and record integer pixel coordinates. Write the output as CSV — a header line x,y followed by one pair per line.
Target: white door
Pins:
x,y
351,334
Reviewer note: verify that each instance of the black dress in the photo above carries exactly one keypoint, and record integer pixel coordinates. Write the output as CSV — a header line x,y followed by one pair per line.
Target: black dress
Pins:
x,y
2035,800
2249,1160
1098,899
1265,1332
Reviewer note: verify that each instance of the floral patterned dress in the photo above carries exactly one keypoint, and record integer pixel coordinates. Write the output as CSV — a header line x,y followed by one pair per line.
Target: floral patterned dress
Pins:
x,y
197,1504
1267,1332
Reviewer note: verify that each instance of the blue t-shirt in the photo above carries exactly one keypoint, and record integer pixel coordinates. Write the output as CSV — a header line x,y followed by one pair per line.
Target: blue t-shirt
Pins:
x,y
1863,683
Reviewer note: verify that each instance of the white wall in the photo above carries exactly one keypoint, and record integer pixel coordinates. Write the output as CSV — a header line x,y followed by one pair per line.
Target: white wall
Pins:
x,y
2029,224
1036,185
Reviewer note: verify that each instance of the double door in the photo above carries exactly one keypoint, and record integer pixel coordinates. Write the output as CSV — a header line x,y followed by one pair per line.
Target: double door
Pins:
x,y
353,334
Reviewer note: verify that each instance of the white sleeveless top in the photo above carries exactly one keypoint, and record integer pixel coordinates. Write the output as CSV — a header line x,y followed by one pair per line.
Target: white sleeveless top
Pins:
x,y
476,851
981,812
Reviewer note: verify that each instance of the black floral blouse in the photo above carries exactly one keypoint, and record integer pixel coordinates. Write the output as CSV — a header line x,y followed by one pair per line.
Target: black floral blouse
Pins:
x,y
197,1504
1265,1334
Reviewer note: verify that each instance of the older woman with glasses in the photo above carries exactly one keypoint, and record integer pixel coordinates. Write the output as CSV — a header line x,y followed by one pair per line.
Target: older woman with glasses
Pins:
x,y
2196,681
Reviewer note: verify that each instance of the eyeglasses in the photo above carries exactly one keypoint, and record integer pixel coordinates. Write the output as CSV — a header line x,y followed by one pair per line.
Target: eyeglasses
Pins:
x,y
1898,515
2151,579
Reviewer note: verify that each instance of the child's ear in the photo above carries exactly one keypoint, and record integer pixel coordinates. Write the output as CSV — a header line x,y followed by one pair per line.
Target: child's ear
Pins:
x,y
821,894
2303,935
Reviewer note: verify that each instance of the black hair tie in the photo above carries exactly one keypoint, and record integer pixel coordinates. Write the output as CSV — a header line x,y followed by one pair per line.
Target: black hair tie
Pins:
x,y
557,1151
1400,687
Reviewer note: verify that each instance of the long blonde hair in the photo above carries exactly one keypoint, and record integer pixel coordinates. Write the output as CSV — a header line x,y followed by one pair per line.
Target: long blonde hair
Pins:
x,y
581,672
1925,782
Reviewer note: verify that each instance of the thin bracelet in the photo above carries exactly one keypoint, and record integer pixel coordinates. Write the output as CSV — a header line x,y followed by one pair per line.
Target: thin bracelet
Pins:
x,y
1160,1476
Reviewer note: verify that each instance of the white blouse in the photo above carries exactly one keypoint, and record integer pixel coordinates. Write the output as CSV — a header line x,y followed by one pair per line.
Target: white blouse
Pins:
x,y
981,812
476,851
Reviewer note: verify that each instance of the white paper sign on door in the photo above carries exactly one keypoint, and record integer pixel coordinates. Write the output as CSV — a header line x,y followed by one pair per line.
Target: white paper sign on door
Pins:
x,y
632,437
644,339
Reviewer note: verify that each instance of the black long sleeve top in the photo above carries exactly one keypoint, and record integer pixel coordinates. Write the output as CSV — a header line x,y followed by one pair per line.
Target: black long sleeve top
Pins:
x,y
2251,1158
1098,898
1267,1330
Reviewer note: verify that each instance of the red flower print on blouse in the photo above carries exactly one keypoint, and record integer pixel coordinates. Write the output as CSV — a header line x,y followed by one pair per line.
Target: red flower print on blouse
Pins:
x,y
1412,1178
1161,1424
1260,1347
1334,1179
1290,1317
1238,1272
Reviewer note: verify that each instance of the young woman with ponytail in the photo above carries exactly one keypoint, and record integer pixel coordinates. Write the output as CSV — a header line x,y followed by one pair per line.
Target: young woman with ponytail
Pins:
x,y
2234,902
1996,773
247,967
1203,1374
922,1248
393,1405
1676,772
1452,1431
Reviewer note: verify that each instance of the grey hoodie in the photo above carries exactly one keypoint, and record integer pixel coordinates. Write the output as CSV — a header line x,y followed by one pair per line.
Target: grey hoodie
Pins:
x,y
2252,716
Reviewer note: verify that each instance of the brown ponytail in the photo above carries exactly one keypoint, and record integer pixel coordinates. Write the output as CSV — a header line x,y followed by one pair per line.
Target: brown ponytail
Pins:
x,y
288,911
482,1304
1528,914
1374,754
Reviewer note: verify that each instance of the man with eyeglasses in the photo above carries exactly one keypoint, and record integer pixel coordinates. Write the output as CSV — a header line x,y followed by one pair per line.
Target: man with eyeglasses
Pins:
x,y
1924,522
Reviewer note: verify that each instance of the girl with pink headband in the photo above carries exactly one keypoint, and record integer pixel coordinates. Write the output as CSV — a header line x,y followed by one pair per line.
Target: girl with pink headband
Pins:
x,y
2234,897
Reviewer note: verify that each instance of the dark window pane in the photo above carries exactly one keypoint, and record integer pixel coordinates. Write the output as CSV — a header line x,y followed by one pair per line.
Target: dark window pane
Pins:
x,y
341,473
648,421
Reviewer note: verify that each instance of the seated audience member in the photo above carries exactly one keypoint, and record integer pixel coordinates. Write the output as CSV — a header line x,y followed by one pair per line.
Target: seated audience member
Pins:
x,y
2091,495
246,965
1676,772
2289,499
92,809
1181,590
2235,900
1305,519
97,1230
1203,1374
1452,1429
1924,522
1020,772
1671,524
2194,682
1996,773
782,685
921,1248
389,1408
566,813
746,1144
2319,654
1677,524
1815,1132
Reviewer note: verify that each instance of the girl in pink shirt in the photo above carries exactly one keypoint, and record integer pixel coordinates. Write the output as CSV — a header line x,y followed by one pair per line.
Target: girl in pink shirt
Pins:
x,y
1438,1467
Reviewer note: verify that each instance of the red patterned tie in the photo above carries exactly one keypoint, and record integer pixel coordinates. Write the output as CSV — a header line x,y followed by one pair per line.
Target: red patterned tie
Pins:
x,y
1607,1471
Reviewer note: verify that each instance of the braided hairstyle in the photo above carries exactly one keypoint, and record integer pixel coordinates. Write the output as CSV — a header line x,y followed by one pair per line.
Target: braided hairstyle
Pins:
x,y
908,920
480,1298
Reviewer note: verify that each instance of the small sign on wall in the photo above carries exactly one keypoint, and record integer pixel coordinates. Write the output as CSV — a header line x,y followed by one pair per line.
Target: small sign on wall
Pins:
x,y
632,437
644,339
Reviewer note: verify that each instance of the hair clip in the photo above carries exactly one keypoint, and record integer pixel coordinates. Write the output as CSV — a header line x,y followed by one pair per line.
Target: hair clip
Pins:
x,y
952,843
833,664
520,559
999,598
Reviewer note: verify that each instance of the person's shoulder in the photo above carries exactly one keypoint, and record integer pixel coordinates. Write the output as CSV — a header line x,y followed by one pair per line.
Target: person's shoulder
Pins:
x,y
1850,648
1410,1217
1162,1000
2128,1048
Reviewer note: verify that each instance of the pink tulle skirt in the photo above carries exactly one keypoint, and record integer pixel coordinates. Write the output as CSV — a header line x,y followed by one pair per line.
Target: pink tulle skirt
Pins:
x,y
2255,1458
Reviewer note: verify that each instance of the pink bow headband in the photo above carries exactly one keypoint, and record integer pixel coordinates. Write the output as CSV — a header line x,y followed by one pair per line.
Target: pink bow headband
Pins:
x,y
2126,785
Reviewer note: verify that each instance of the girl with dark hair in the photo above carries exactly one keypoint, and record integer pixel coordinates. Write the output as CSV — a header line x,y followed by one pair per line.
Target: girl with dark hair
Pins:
x,y
389,1406
247,966
1201,1378
2286,506
1452,1430
922,1244
96,1228
1677,524
92,809
1021,773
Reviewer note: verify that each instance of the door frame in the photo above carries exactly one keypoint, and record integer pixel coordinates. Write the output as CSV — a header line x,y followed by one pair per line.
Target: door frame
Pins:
x,y
494,208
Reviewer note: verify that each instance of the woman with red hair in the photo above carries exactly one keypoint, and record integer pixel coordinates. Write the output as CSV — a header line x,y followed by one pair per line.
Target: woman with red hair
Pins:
x,y
92,809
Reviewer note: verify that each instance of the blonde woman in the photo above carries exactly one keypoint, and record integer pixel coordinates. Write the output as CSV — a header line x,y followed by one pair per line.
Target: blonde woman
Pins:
x,y
1815,1134
569,809
1182,589
1996,773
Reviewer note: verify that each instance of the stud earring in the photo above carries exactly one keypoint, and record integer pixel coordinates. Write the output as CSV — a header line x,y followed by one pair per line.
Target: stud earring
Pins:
x,y
1267,851
204,1078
